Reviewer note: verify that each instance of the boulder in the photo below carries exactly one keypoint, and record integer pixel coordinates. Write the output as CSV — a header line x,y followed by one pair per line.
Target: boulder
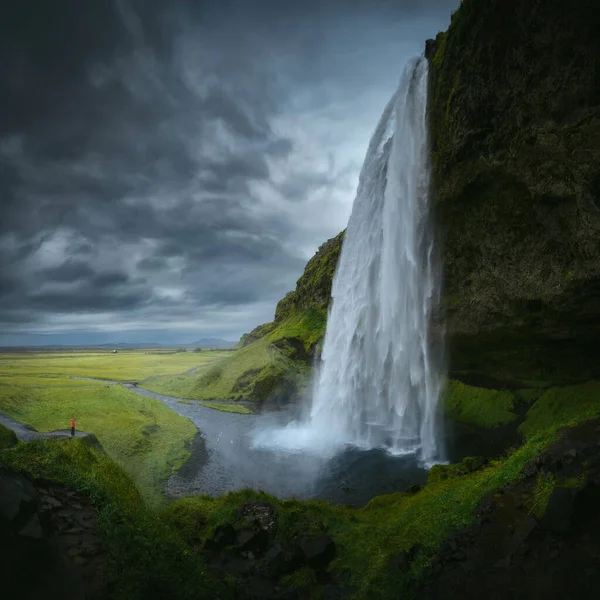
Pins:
x,y
254,540
557,517
319,552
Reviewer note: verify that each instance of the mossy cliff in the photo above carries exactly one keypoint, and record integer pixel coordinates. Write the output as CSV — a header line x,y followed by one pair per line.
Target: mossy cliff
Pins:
x,y
514,113
70,517
272,362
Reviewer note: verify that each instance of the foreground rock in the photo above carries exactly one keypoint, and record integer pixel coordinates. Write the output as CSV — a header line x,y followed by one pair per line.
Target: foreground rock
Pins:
x,y
50,546
510,552
251,551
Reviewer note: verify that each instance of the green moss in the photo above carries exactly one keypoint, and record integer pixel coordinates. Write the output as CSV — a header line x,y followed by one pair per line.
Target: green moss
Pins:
x,y
558,407
313,289
162,546
222,406
262,369
513,110
530,395
146,556
303,578
145,437
543,489
478,406
8,437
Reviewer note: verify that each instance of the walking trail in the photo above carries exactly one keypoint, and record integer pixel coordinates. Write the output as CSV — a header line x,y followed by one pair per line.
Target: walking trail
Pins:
x,y
25,433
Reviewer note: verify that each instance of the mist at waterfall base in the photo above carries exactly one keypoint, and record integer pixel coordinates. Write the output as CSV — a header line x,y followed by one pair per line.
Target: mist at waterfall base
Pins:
x,y
377,388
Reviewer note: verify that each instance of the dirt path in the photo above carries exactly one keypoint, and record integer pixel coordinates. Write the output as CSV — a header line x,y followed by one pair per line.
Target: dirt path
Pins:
x,y
26,433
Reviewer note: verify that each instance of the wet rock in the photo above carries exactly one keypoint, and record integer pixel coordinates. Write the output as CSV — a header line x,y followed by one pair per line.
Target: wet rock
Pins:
x,y
319,552
224,536
239,566
16,494
258,588
273,561
33,528
255,540
558,512
293,559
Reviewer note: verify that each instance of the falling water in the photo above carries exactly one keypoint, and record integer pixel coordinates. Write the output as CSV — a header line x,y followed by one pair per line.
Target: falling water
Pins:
x,y
378,384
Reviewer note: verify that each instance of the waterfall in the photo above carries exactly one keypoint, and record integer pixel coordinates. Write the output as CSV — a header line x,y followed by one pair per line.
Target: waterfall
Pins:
x,y
379,381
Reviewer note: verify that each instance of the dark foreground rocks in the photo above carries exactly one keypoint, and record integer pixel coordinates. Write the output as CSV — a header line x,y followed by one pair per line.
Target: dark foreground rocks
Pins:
x,y
50,546
510,552
264,563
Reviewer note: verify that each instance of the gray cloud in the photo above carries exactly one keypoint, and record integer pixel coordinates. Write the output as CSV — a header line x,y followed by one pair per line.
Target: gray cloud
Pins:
x,y
162,164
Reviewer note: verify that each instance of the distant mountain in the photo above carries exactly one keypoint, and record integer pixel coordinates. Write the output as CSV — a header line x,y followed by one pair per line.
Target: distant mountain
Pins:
x,y
203,343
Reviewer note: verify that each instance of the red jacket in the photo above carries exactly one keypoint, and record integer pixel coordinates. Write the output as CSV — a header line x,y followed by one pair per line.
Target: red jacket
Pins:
x,y
72,422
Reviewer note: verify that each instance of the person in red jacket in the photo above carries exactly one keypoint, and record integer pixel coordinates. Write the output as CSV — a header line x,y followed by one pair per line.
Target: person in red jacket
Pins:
x,y
72,427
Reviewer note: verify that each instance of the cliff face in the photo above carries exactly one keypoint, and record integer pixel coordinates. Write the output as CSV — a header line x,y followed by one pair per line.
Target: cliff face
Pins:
x,y
514,112
313,290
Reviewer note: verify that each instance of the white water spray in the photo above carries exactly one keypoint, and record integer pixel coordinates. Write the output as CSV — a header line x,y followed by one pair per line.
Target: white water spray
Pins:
x,y
378,385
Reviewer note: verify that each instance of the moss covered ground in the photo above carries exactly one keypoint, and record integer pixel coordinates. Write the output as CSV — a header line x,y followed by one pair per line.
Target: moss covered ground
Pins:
x,y
274,363
141,434
163,544
8,439
226,407
478,406
147,557
161,548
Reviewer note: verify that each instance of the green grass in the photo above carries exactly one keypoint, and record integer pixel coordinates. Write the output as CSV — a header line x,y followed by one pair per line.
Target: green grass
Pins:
x,y
147,557
141,434
39,381
8,438
562,406
386,526
123,366
225,407
161,544
252,372
478,406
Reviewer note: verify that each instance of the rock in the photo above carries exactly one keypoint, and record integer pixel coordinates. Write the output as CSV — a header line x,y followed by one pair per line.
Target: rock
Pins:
x,y
15,493
413,489
262,513
51,502
292,559
558,512
224,535
319,552
239,566
258,588
255,540
33,528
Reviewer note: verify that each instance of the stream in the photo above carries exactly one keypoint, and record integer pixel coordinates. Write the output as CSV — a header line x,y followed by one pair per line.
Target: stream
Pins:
x,y
226,457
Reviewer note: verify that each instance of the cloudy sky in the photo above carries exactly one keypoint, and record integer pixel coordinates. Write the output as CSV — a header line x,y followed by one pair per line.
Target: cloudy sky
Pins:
x,y
168,167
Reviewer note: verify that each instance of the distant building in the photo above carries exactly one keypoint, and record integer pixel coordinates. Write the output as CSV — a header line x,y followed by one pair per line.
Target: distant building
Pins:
x,y
114,351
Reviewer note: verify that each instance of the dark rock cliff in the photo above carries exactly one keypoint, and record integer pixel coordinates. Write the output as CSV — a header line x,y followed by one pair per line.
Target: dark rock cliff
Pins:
x,y
514,111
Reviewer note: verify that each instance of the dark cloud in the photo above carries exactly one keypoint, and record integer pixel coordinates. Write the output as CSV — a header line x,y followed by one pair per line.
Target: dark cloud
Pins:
x,y
177,162
69,271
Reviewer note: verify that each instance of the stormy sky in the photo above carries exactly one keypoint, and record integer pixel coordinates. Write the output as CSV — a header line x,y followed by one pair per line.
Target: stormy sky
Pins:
x,y
168,167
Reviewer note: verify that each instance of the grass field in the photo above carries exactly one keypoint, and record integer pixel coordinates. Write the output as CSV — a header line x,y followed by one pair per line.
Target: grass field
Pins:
x,y
124,366
141,434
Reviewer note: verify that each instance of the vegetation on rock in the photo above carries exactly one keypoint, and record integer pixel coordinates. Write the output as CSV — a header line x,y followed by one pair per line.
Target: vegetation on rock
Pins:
x,y
8,439
273,361
514,112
